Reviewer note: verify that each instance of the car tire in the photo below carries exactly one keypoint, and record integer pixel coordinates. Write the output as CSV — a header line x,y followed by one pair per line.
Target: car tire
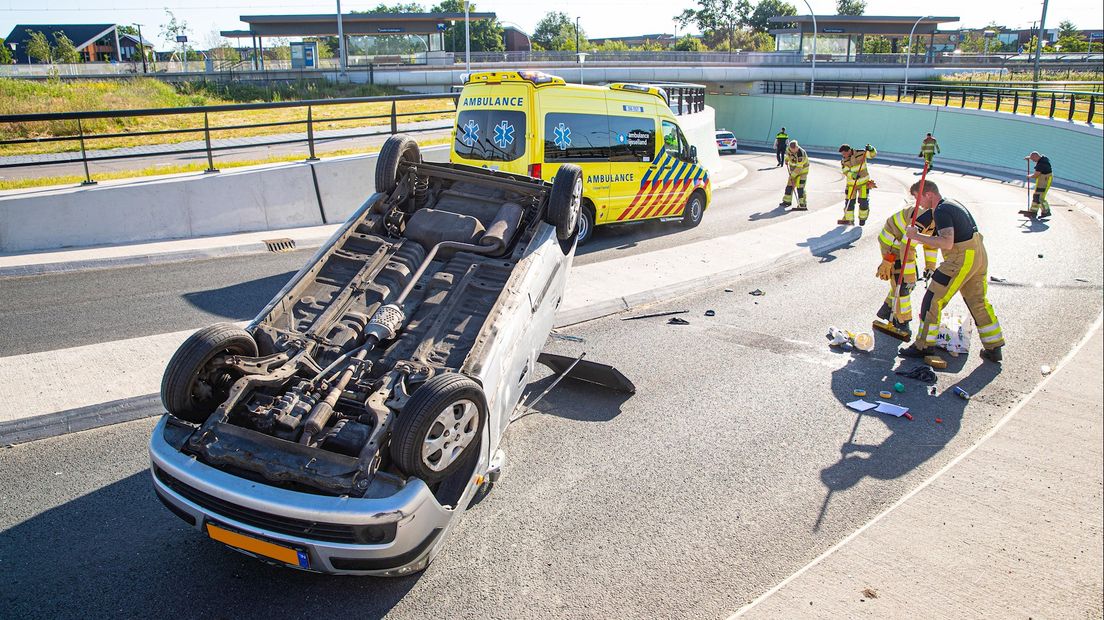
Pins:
x,y
694,210
566,201
439,427
190,389
397,148
586,224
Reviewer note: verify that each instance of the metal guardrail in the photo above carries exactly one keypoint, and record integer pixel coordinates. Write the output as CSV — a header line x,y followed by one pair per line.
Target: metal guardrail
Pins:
x,y
307,123
1067,105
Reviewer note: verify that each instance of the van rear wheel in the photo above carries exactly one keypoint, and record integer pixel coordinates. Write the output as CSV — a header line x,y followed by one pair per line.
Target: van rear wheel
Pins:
x,y
586,223
694,211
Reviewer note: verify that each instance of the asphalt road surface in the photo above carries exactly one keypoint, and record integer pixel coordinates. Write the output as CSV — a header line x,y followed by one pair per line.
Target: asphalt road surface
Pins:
x,y
734,464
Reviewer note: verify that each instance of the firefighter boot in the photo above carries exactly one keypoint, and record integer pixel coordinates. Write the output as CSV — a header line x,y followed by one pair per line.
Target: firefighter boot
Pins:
x,y
993,355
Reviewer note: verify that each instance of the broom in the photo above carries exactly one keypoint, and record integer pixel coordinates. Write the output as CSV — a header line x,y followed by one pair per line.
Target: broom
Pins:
x,y
1027,185
886,327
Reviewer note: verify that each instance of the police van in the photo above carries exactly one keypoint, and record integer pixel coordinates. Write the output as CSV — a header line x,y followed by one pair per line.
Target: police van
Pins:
x,y
637,164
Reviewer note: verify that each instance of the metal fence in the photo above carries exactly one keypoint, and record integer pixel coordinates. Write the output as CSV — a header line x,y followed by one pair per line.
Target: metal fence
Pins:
x,y
306,125
1067,105
683,99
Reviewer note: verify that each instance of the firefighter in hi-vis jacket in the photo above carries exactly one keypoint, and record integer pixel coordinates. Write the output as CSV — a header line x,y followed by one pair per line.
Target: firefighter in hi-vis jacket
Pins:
x,y
897,307
963,270
928,148
797,163
859,182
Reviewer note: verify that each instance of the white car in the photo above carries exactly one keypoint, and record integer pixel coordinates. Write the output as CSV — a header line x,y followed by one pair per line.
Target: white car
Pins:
x,y
347,427
726,141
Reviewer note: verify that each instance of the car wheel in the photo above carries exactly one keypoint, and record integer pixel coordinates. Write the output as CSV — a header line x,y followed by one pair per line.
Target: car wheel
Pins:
x,y
694,210
566,201
586,224
193,387
439,427
395,149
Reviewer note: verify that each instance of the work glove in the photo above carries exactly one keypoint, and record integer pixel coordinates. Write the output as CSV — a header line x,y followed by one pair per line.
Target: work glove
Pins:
x,y
885,270
929,270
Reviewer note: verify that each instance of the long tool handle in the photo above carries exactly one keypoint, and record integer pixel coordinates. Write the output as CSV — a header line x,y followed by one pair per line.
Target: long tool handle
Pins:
x,y
908,242
1027,184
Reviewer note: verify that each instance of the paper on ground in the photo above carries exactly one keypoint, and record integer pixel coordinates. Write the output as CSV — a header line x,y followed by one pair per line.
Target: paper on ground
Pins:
x,y
861,405
884,407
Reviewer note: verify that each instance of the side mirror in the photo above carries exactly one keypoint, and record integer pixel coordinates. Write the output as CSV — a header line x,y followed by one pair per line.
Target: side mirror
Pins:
x,y
693,153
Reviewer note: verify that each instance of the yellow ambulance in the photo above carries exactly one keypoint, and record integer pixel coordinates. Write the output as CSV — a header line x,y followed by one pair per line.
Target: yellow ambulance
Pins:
x,y
637,164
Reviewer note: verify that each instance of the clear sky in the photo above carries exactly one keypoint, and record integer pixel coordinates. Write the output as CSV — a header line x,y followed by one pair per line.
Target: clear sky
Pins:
x,y
600,18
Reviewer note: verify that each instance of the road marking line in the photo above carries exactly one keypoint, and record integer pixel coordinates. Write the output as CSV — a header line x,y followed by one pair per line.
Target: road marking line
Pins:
x,y
942,470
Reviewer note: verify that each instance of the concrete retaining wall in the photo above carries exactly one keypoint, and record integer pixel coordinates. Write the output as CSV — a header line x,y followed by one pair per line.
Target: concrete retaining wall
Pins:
x,y
988,139
700,130
194,206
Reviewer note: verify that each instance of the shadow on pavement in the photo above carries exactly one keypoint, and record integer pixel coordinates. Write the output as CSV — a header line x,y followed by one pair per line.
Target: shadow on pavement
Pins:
x,y
117,552
911,443
578,400
778,211
1034,226
239,301
626,236
818,245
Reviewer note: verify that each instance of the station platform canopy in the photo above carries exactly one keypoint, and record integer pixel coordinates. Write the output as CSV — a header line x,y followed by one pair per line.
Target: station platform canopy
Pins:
x,y
843,35
353,24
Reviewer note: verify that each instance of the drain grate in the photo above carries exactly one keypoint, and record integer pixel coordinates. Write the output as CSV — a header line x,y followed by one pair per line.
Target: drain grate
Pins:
x,y
280,245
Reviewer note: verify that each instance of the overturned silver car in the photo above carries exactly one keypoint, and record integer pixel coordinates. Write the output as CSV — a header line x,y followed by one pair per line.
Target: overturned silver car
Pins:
x,y
347,426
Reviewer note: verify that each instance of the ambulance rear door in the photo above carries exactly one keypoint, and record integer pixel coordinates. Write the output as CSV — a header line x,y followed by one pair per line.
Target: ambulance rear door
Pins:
x,y
492,127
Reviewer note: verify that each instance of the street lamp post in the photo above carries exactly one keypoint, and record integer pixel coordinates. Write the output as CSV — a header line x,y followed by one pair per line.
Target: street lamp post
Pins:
x,y
576,36
467,37
340,41
1039,42
142,48
812,81
908,52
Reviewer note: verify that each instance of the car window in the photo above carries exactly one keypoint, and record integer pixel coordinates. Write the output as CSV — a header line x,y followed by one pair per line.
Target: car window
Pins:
x,y
631,138
576,137
490,135
724,134
674,142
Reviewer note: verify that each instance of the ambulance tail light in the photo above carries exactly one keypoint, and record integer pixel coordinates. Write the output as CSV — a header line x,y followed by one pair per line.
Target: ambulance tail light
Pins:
x,y
535,171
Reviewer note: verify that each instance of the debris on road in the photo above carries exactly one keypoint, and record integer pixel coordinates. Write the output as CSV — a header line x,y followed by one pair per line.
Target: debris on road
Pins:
x,y
556,336
920,373
710,313
677,321
899,387
861,405
961,393
654,314
996,279
1040,256
893,410
939,420
728,290
861,340
1045,369
859,393
931,390
885,394
757,293
870,593
935,362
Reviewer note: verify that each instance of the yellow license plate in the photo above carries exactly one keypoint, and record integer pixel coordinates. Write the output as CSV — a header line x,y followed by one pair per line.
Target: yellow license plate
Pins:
x,y
280,553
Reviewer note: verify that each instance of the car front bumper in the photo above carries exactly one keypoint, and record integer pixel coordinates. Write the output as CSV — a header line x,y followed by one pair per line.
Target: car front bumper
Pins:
x,y
385,536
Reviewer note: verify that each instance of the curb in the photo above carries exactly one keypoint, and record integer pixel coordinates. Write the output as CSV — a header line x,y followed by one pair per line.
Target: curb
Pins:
x,y
686,287
158,258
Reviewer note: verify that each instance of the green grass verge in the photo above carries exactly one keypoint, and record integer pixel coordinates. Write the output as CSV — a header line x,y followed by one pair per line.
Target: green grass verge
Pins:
x,y
38,96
